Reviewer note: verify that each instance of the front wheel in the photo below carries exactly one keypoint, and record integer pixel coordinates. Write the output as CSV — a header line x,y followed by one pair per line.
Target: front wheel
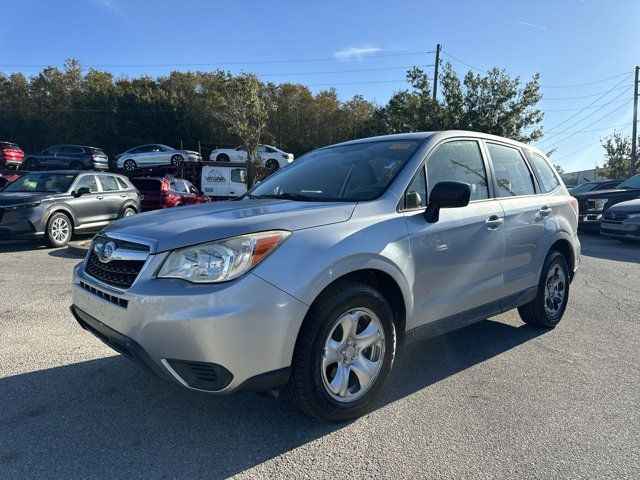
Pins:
x,y
176,160
129,165
58,231
272,165
547,309
344,353
30,164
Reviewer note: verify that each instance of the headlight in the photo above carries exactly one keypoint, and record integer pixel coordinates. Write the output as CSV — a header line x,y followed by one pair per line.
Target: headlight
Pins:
x,y
633,215
596,204
221,260
22,206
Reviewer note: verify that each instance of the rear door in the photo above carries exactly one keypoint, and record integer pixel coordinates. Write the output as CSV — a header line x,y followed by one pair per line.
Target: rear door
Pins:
x,y
458,260
51,158
112,196
526,213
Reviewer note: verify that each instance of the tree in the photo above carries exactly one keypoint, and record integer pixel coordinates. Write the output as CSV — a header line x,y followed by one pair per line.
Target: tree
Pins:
x,y
559,168
245,111
617,157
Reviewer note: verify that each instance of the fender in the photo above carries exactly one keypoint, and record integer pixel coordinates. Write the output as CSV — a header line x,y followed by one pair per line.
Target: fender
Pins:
x,y
60,207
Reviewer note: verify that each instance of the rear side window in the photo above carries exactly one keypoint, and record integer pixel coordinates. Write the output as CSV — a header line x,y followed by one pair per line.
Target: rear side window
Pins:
x,y
512,174
546,176
147,184
459,161
109,183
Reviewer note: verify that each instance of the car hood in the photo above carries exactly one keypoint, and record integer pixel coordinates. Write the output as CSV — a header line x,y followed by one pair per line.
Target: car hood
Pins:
x,y
628,206
612,192
183,226
9,199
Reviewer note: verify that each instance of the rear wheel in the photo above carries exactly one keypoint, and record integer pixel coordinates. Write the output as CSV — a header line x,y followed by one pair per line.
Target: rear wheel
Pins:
x,y
223,157
547,309
272,164
30,164
58,231
176,160
344,353
129,165
128,212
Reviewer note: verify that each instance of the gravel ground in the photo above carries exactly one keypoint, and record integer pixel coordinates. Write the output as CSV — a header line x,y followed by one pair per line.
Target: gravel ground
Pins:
x,y
493,400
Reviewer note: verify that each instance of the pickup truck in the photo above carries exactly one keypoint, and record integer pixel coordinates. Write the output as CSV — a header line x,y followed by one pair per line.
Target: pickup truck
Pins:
x,y
593,205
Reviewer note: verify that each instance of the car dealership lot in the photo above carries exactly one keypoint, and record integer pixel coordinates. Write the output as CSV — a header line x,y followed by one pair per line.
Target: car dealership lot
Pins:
x,y
496,399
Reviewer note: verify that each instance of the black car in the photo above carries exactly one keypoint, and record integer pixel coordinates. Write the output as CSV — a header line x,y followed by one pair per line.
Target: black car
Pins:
x,y
595,185
53,205
593,205
74,157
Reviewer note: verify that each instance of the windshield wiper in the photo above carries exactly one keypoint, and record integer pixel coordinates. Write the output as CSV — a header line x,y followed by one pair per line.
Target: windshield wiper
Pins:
x,y
289,196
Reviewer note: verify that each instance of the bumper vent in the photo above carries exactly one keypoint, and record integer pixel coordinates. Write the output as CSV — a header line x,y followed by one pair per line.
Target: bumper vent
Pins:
x,y
200,375
121,302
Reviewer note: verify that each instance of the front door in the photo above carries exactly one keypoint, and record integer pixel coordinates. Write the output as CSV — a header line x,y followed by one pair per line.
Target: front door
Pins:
x,y
458,260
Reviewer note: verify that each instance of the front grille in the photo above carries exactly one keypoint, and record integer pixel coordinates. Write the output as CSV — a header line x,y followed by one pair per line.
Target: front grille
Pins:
x,y
200,375
119,273
121,302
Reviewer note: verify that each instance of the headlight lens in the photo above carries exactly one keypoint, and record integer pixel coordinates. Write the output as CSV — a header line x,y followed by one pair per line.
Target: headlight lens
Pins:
x,y
596,204
634,215
222,260
23,206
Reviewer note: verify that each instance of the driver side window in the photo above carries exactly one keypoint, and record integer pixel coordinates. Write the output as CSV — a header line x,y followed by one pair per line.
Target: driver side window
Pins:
x,y
88,181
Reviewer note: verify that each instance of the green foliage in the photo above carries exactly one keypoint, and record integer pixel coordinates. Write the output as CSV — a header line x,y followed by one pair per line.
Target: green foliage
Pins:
x,y
617,157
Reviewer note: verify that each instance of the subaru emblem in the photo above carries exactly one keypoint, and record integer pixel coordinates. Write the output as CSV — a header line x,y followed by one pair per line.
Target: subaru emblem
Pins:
x,y
105,251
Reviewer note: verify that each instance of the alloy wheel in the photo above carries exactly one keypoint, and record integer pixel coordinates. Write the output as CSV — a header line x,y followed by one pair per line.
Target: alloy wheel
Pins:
x,y
555,291
60,230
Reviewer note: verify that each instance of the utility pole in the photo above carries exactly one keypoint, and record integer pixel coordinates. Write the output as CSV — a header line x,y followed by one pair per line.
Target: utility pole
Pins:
x,y
634,129
435,73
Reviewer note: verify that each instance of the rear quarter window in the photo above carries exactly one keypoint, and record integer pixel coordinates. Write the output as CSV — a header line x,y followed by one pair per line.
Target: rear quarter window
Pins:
x,y
546,175
147,184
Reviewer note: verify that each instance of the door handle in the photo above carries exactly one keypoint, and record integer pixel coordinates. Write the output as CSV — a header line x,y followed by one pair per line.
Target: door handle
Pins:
x,y
493,222
545,211
99,197
122,195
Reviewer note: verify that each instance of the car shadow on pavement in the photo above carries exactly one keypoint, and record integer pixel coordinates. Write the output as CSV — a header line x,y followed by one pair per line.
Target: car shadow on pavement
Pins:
x,y
20,245
108,418
606,248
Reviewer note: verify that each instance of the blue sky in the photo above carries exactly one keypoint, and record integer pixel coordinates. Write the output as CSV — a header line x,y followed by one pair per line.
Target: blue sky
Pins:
x,y
321,43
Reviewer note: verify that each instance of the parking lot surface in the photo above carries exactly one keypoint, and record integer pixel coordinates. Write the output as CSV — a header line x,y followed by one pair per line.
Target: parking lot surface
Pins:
x,y
493,400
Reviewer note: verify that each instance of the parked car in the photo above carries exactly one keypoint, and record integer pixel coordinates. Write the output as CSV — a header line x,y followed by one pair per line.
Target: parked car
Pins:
x,y
53,205
74,157
622,221
270,157
10,155
595,186
312,279
154,154
593,205
8,177
158,193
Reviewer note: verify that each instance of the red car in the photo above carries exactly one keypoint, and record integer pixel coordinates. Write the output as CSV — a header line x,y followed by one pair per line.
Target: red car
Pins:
x,y
156,193
10,155
8,177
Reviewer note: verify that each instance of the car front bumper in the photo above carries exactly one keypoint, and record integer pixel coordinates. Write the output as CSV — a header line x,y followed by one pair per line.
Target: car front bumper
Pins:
x,y
16,224
241,332
623,229
590,221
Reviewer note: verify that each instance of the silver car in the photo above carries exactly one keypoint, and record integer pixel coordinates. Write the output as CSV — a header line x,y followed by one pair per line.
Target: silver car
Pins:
x,y
314,278
154,154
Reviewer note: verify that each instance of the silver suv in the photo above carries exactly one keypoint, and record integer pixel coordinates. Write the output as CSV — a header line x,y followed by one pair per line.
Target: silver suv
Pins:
x,y
312,279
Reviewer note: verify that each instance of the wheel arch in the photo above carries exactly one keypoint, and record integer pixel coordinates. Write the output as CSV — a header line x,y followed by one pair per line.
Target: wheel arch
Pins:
x,y
59,209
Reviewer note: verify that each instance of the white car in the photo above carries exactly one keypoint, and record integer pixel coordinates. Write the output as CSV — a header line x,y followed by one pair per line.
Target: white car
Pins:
x,y
154,154
270,157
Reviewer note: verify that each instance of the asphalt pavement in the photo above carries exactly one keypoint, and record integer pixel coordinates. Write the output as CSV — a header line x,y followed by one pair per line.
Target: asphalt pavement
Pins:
x,y
494,400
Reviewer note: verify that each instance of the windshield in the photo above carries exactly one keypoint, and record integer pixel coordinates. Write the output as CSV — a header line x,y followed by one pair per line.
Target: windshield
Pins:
x,y
42,182
633,182
585,187
356,172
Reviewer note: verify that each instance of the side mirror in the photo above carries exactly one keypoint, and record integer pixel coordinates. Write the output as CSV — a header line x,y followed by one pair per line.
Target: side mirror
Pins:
x,y
81,191
446,195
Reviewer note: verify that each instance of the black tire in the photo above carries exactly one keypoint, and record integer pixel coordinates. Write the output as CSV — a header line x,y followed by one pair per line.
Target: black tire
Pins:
x,y
176,160
128,212
129,165
272,165
536,313
51,238
306,385
30,164
76,165
223,157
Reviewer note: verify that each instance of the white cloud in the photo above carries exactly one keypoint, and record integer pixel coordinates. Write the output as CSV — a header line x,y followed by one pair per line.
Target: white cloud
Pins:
x,y
355,53
532,25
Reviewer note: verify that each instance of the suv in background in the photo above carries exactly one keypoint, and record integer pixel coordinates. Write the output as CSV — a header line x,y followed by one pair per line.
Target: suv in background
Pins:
x,y
8,177
158,193
54,205
10,155
593,205
74,157
312,279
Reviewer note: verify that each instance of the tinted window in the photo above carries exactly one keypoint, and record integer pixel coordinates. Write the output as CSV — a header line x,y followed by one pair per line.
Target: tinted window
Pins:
x,y
459,161
178,186
546,176
88,181
353,172
633,182
239,175
512,174
70,150
123,185
147,184
42,182
109,183
416,195
3,182
52,150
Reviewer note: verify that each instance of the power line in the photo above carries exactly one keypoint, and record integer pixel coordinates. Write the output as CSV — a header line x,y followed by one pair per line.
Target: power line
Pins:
x,y
584,108
626,124
581,96
209,64
342,71
573,153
